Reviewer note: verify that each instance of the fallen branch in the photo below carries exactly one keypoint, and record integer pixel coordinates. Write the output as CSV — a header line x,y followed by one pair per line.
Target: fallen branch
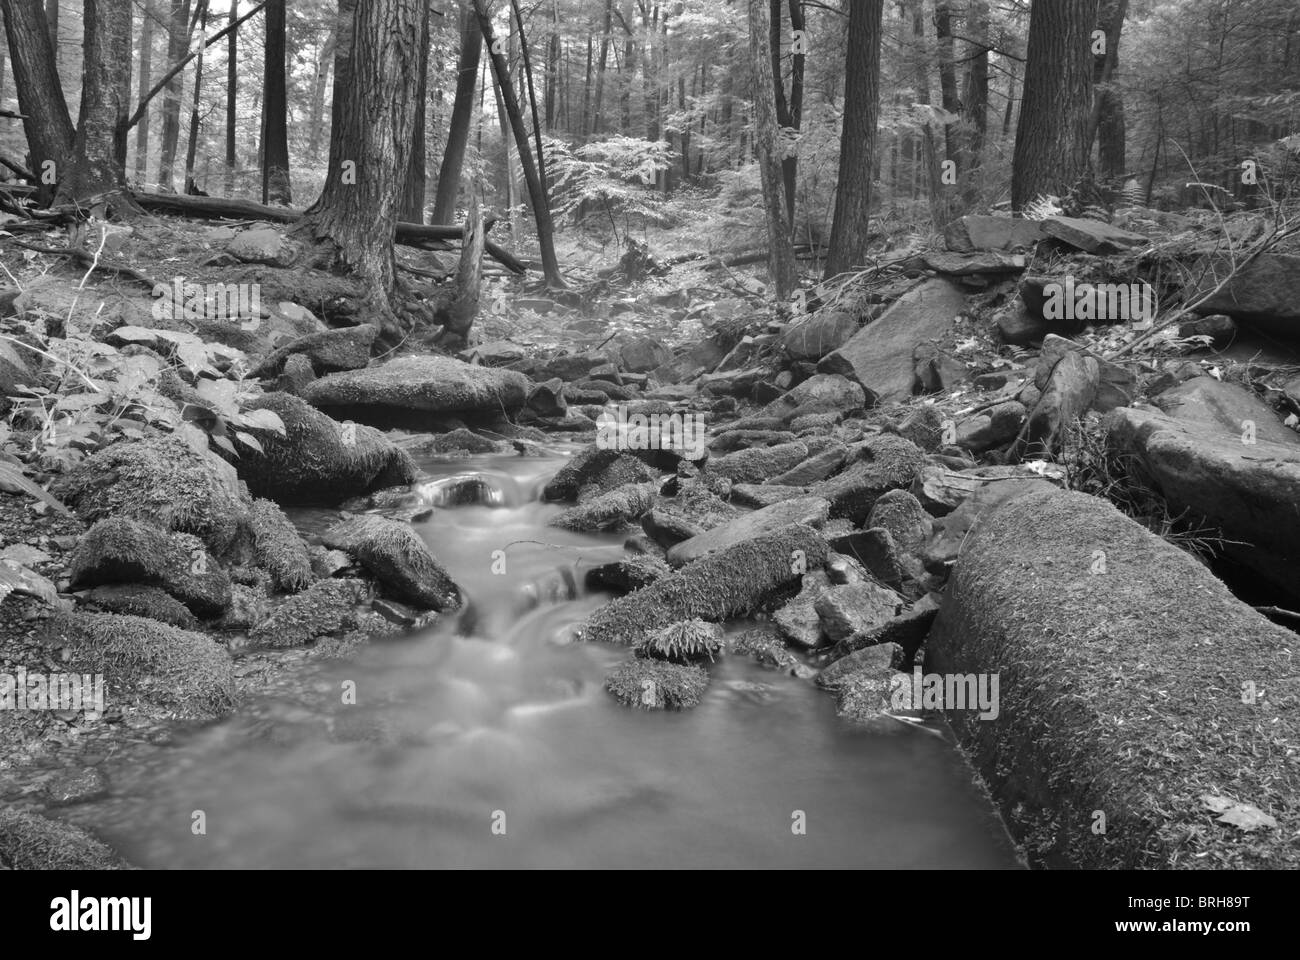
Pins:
x,y
89,260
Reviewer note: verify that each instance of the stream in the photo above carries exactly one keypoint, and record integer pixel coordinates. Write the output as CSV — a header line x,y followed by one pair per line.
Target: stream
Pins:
x,y
487,740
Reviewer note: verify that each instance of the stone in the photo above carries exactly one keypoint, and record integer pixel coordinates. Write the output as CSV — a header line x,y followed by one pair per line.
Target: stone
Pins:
x,y
880,657
798,621
396,556
991,233
418,384
951,531
903,516
1219,327
817,467
811,511
1263,295
991,428
545,400
884,462
330,351
618,509
1091,236
974,263
326,608
855,607
812,337
263,245
758,464
657,685
643,355
763,494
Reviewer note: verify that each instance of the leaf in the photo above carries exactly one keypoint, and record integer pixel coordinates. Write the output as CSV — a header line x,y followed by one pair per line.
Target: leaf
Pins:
x,y
12,480
78,401
136,334
225,444
263,420
15,578
1243,816
249,440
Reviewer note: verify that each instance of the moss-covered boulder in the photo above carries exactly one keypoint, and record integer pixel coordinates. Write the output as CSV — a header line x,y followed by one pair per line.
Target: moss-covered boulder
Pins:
x,y
141,600
121,550
396,556
189,674
883,463
29,841
1131,682
279,548
811,511
616,510
757,464
326,608
319,461
329,351
657,684
596,470
728,584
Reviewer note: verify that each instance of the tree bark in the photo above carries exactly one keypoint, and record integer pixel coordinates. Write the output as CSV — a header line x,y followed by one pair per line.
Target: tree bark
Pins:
x,y
785,274
275,110
232,88
146,68
536,190
532,93
1051,151
48,126
462,112
1106,121
192,150
469,273
977,97
412,208
850,228
605,38
324,65
177,42
376,74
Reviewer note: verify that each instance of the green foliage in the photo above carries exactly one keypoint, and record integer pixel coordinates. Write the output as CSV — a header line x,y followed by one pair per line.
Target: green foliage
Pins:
x,y
612,179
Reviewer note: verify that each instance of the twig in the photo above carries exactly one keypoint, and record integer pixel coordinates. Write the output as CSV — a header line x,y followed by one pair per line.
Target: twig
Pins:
x,y
84,257
1279,612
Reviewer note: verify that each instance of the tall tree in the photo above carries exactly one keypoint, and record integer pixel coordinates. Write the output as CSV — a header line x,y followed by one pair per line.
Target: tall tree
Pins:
x,y
412,208
789,111
191,152
324,63
232,88
376,72
767,140
977,97
177,43
146,68
275,110
606,28
1106,121
536,189
851,226
462,112
1051,151
48,126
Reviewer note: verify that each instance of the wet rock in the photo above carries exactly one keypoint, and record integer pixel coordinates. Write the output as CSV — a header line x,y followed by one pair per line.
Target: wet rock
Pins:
x,y
811,338
878,658
811,511
327,607
330,351
875,550
855,608
121,550
620,508
465,439
545,400
730,441
611,390
766,647
728,584
885,462
798,621
29,841
758,464
278,547
139,600
421,386
991,233
908,630
628,574
866,695
764,494
880,356
694,510
320,461
187,673
397,557
71,787
657,684
597,469
246,610
496,353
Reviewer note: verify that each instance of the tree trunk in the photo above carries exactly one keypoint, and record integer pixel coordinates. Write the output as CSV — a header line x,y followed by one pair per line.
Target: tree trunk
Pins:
x,y
1051,151
532,93
469,274
977,97
376,73
275,110
324,63
552,66
40,94
412,208
1107,118
177,43
851,227
781,262
146,68
98,166
462,112
600,65
232,87
536,191
192,151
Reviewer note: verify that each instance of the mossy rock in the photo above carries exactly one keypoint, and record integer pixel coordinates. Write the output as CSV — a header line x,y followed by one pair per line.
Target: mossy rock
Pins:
x,y
279,548
616,510
883,463
162,481
595,470
329,351
628,573
141,600
432,384
657,684
325,608
188,673
687,641
29,841
319,461
757,464
397,557
728,584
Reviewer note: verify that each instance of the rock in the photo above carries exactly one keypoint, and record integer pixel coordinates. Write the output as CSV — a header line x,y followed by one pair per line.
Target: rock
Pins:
x,y
757,464
263,245
76,786
496,353
1020,326
730,441
1203,468
885,462
630,573
1068,395
14,371
879,357
611,390
903,516
798,621
811,511
620,508
187,673
935,370
657,684
571,367
991,233
950,531
924,427
883,657
279,549
812,337
139,600
1264,295
320,461
397,557
327,607
1226,409
991,428
29,841
330,351
1091,236
693,511
295,375
763,494
643,355
822,393
728,584
465,439
687,641
855,608
122,550
1219,327
545,400
1116,386
412,388
875,550
817,467
866,695
597,469
246,610
974,263
24,554
765,647
1110,685
908,630
161,481
816,422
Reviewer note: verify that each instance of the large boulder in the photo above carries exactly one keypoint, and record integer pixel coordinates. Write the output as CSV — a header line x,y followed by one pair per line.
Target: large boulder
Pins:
x,y
397,557
991,233
884,462
319,461
880,356
811,511
811,338
330,351
418,388
326,608
757,464
821,393
1130,684
1264,295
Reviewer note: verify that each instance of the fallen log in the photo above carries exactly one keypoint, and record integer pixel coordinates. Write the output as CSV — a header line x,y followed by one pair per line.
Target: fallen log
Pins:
x,y
407,234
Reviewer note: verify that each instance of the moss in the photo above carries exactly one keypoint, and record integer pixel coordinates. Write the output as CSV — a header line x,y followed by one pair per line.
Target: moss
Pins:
x,y
326,607
29,841
756,464
139,600
433,383
683,642
885,462
1121,690
766,647
629,573
727,584
657,684
615,510
279,548
398,558
161,481
463,438
598,469
186,672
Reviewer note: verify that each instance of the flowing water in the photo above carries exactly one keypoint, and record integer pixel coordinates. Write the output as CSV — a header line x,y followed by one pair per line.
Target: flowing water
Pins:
x,y
487,740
